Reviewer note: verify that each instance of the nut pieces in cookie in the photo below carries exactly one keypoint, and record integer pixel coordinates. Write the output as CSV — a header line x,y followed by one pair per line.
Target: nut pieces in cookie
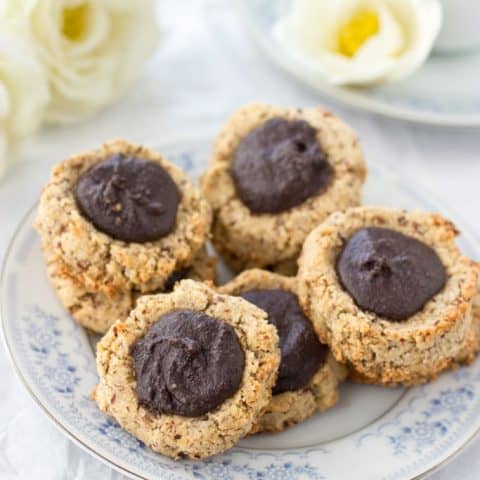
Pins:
x,y
218,360
390,292
274,174
122,217
308,376
98,310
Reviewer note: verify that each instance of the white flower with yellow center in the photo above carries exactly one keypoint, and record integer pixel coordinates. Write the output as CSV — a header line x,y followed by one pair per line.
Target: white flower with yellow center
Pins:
x,y
93,49
24,91
359,42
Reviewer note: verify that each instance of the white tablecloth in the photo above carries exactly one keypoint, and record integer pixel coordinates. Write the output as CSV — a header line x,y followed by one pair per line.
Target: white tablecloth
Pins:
x,y
205,67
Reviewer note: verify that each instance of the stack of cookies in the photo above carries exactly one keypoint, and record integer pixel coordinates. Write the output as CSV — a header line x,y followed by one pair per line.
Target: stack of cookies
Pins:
x,y
119,222
325,288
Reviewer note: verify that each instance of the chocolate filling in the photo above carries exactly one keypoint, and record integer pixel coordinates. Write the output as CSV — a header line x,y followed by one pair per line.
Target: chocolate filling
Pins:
x,y
389,273
302,354
128,198
188,363
174,278
279,165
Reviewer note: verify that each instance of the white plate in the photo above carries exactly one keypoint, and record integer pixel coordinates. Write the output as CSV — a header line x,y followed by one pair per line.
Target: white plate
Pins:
x,y
374,433
444,91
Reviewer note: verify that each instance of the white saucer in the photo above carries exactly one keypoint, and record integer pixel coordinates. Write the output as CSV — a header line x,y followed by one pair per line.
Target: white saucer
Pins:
x,y
444,91
373,433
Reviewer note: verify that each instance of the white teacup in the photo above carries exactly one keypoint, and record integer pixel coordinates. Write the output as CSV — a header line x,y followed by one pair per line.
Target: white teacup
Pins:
x,y
461,26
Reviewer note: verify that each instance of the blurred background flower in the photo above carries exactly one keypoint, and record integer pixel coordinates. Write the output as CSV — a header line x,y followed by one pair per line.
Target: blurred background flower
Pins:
x,y
360,42
24,93
93,50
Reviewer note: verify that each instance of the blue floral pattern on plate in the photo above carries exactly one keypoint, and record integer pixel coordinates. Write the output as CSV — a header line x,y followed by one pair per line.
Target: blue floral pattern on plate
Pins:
x,y
55,360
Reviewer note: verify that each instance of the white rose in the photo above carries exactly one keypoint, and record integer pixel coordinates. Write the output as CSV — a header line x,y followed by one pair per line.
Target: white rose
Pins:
x,y
24,91
360,41
93,49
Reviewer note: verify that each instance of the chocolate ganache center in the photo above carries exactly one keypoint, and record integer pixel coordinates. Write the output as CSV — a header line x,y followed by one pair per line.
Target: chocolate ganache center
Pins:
x,y
279,165
389,273
188,363
302,354
129,198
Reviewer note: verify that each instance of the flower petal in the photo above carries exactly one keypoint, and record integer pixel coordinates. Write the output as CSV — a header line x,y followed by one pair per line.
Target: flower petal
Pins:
x,y
310,33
